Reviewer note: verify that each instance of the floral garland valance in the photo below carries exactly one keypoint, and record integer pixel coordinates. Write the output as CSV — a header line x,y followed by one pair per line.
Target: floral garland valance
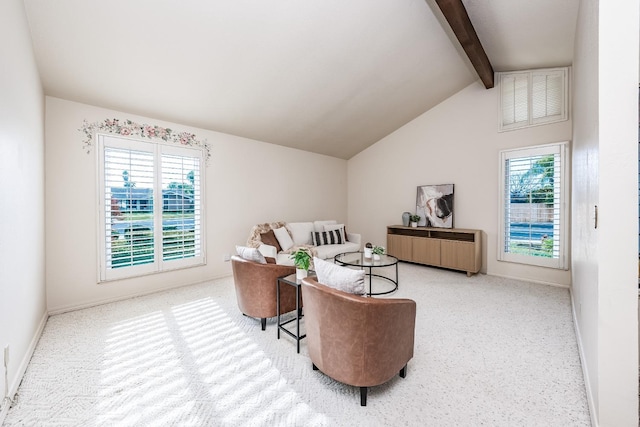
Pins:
x,y
129,128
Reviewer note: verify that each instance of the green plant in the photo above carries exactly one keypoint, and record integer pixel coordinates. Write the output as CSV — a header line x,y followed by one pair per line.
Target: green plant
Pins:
x,y
378,250
302,258
414,218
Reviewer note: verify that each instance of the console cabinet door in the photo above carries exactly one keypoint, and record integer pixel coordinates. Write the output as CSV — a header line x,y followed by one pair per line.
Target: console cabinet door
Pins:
x,y
399,247
426,251
458,255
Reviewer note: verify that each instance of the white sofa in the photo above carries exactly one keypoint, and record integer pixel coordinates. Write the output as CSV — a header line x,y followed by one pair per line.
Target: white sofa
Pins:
x,y
301,236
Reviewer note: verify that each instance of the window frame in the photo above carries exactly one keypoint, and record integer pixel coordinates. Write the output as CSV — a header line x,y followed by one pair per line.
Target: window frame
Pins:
x,y
159,265
562,150
563,72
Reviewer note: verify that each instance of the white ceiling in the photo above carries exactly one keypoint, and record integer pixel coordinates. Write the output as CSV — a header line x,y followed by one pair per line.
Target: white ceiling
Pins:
x,y
327,76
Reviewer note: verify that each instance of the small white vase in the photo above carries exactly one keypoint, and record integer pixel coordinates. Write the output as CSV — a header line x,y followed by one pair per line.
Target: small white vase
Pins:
x,y
414,224
376,257
301,273
367,252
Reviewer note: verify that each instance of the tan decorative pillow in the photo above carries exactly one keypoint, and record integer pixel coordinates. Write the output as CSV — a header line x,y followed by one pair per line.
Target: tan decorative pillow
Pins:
x,y
269,238
254,235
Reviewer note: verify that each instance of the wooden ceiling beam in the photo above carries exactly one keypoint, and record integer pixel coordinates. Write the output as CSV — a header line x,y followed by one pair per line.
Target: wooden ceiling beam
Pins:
x,y
457,17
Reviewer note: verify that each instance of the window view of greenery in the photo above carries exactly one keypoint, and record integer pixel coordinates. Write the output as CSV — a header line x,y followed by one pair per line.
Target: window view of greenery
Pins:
x,y
132,213
531,212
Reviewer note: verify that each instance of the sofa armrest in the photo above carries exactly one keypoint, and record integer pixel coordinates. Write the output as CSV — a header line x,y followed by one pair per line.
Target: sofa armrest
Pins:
x,y
268,251
354,237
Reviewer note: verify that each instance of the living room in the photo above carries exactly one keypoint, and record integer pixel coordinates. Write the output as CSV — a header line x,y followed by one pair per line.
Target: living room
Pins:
x,y
49,251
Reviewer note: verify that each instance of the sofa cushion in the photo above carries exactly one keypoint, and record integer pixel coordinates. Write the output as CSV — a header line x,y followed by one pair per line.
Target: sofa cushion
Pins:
x,y
330,251
300,232
283,238
269,238
319,225
250,254
328,238
341,278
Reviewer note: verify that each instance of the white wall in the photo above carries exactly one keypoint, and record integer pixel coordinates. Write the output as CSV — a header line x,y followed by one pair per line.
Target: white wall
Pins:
x,y
247,182
22,257
604,289
455,142
585,187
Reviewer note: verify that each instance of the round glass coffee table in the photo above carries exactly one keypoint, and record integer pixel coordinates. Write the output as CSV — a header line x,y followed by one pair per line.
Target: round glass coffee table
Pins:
x,y
357,259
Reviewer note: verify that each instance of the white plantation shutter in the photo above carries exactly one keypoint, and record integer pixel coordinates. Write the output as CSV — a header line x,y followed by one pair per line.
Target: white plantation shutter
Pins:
x,y
529,98
515,99
151,207
533,206
547,97
124,197
181,207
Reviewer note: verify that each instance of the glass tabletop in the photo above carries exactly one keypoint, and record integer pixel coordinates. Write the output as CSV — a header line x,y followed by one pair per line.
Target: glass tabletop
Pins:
x,y
358,259
292,278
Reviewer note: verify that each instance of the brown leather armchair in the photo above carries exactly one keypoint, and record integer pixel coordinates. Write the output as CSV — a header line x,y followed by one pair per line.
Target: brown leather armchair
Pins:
x,y
256,288
356,340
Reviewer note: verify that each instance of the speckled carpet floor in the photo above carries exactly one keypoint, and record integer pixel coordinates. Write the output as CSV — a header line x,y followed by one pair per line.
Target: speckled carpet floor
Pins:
x,y
488,351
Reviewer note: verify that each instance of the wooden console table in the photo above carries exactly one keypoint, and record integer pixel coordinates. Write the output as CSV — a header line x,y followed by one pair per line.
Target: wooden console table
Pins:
x,y
454,248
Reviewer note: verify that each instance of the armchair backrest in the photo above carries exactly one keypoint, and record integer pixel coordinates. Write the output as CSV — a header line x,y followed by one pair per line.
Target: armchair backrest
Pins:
x,y
357,340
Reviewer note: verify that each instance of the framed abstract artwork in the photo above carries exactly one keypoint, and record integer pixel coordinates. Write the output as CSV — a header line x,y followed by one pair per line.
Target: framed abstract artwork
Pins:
x,y
434,204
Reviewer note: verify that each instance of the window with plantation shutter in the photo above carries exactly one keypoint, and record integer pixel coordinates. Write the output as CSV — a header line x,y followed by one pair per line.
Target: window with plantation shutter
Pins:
x,y
530,98
181,202
533,205
151,204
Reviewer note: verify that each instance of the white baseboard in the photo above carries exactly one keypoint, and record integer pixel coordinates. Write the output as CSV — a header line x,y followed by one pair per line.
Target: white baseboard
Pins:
x,y
583,363
24,363
74,307
540,282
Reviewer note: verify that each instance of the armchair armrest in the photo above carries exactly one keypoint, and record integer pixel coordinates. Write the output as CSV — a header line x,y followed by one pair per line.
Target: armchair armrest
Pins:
x,y
390,336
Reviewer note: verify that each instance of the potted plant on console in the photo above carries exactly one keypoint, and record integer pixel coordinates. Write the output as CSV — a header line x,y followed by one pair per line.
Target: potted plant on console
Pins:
x,y
414,220
302,261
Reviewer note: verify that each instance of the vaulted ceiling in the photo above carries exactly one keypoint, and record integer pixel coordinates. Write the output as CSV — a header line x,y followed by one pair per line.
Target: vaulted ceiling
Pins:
x,y
326,76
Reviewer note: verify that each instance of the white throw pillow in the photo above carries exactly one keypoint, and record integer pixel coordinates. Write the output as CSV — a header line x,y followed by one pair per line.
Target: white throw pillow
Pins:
x,y
250,254
283,238
337,277
339,227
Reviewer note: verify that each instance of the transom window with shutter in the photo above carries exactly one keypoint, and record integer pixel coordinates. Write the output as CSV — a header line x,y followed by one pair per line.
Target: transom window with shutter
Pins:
x,y
150,207
530,98
533,205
